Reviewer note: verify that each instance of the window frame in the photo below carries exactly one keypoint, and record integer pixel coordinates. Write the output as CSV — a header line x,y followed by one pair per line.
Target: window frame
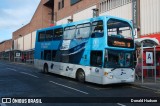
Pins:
x,y
83,27
69,29
41,40
95,27
51,37
73,3
57,37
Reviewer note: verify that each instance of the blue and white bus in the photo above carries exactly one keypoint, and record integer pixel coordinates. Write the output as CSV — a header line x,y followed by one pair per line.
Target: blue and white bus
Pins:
x,y
98,50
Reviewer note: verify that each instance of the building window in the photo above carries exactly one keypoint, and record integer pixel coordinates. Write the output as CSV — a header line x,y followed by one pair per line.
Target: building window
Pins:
x,y
74,1
60,4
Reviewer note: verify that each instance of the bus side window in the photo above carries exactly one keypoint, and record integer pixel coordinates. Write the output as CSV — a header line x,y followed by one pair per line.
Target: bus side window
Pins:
x,y
54,55
49,35
96,58
69,32
41,36
47,55
97,29
58,33
83,30
42,55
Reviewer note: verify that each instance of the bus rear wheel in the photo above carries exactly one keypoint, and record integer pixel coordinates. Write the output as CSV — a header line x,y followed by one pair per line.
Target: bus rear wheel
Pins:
x,y
45,68
80,75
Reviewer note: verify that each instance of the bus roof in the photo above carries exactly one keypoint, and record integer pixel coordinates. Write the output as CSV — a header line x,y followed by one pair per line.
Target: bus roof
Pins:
x,y
84,21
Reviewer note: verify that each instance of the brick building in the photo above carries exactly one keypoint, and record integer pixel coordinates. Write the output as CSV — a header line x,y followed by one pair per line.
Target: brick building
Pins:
x,y
56,12
6,50
73,9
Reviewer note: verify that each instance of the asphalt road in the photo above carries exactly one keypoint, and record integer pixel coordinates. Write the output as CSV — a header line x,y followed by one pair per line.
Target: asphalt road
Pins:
x,y
19,80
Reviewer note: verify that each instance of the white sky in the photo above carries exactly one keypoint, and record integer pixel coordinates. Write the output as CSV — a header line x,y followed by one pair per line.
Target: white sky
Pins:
x,y
14,14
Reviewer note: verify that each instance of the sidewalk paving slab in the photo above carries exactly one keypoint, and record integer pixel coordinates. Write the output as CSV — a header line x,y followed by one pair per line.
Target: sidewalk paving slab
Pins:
x,y
148,85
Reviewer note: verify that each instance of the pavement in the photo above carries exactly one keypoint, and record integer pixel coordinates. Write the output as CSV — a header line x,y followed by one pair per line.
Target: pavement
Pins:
x,y
149,84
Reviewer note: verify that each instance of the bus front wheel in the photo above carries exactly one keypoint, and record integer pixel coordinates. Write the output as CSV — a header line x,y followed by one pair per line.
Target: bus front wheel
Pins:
x,y
45,68
80,75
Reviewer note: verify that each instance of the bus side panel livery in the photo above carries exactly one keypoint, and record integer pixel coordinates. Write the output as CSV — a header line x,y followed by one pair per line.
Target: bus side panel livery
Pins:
x,y
98,50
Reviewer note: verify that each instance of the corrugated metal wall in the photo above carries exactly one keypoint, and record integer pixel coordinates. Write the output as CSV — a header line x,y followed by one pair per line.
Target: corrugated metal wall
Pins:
x,y
15,44
118,9
27,42
63,21
85,14
33,39
20,43
150,16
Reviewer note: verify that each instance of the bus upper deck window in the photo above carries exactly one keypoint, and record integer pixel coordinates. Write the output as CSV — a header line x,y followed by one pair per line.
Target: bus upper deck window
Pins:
x,y
69,32
41,36
83,31
97,29
58,33
119,29
49,35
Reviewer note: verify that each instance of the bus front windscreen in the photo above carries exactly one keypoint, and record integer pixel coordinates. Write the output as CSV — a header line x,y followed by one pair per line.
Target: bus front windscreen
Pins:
x,y
118,59
120,34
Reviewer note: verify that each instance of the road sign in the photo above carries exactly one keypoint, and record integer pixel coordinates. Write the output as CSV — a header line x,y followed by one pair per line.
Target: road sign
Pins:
x,y
149,57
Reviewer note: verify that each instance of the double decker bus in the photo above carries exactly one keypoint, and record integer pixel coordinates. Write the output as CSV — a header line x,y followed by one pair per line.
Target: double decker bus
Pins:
x,y
98,50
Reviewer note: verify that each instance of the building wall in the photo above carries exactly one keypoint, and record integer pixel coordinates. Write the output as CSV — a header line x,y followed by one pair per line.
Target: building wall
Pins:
x,y
6,45
70,10
20,45
15,44
63,21
118,8
40,19
27,42
21,32
150,16
88,14
33,39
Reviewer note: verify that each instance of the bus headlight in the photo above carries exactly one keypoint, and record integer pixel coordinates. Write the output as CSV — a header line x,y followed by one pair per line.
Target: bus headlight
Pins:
x,y
111,76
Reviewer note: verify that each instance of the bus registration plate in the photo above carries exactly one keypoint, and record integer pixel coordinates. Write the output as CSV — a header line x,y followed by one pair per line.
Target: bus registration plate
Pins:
x,y
123,80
